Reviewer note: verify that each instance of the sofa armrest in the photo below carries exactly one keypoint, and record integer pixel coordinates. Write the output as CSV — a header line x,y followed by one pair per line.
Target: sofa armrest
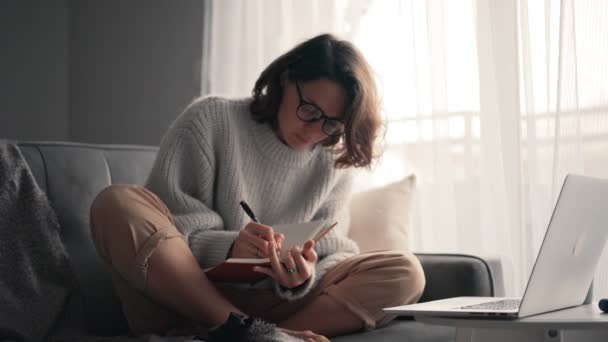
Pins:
x,y
454,275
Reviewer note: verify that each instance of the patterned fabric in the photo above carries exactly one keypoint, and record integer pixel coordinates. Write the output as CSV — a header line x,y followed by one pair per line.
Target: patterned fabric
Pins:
x,y
35,278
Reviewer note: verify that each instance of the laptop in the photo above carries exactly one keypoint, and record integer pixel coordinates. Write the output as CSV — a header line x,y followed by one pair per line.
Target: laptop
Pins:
x,y
564,267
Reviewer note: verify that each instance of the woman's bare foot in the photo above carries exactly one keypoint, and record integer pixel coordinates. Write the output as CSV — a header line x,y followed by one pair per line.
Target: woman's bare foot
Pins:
x,y
307,335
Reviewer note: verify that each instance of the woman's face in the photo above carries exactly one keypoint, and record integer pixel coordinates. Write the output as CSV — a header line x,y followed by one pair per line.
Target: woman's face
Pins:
x,y
327,95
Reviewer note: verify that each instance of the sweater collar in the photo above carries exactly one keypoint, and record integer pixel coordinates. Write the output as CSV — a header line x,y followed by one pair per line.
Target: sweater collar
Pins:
x,y
274,149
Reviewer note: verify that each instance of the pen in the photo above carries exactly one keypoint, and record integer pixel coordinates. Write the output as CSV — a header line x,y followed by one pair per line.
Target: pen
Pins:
x,y
249,211
255,219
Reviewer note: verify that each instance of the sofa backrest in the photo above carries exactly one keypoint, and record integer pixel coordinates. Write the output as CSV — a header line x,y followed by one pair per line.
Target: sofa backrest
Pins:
x,y
72,175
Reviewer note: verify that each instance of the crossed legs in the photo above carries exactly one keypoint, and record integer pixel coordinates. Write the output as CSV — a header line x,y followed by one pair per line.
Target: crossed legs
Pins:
x,y
154,268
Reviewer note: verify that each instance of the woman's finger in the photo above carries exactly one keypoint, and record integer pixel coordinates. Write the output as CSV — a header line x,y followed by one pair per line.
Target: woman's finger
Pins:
x,y
257,242
290,263
277,267
252,250
309,251
302,271
279,238
263,231
302,266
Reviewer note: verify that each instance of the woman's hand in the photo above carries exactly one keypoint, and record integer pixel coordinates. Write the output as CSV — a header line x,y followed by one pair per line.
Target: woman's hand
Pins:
x,y
295,268
254,241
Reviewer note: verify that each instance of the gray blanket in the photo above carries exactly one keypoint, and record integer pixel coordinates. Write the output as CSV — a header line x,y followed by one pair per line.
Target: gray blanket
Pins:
x,y
35,278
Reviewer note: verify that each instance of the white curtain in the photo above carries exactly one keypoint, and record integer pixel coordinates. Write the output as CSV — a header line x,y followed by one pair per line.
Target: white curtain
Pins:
x,y
245,36
490,103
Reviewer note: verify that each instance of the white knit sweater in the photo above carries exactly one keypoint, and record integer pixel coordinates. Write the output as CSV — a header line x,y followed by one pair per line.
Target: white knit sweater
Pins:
x,y
215,155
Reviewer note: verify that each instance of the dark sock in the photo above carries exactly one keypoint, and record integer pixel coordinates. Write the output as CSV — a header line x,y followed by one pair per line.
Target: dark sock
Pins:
x,y
241,328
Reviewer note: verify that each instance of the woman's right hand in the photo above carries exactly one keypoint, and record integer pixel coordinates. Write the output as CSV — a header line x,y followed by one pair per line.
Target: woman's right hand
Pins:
x,y
253,241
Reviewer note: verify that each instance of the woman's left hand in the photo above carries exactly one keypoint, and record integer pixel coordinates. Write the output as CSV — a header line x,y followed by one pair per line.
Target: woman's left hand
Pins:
x,y
295,268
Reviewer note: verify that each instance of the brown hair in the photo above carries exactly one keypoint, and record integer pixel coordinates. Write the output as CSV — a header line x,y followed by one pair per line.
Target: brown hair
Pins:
x,y
326,57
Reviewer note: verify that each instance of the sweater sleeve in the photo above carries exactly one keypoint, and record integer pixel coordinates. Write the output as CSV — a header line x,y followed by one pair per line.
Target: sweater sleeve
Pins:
x,y
334,247
183,178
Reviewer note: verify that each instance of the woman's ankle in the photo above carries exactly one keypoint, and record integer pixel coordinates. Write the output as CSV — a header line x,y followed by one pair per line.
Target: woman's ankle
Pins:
x,y
240,327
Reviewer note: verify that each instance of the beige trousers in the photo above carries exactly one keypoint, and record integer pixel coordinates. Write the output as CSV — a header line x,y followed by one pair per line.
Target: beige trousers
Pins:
x,y
129,222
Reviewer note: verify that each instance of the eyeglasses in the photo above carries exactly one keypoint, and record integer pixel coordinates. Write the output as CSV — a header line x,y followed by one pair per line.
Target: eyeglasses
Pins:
x,y
310,112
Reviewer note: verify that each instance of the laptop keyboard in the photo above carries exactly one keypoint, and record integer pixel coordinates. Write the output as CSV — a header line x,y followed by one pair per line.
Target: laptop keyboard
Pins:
x,y
505,304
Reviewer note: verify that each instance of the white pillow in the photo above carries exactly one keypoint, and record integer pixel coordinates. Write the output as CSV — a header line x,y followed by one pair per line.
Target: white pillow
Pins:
x,y
381,217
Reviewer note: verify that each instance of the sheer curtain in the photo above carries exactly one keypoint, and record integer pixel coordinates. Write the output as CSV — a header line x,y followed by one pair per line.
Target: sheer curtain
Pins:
x,y
242,37
490,103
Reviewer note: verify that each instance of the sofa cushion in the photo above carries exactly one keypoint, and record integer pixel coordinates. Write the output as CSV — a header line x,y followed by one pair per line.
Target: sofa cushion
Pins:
x,y
381,217
454,275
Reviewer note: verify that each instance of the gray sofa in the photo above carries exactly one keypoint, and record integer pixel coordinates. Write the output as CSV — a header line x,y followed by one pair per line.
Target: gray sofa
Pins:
x,y
72,175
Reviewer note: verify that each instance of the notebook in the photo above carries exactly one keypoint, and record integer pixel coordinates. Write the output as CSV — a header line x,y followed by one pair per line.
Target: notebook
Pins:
x,y
241,270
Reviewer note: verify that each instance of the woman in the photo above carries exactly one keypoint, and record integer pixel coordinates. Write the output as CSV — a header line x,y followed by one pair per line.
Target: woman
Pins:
x,y
288,152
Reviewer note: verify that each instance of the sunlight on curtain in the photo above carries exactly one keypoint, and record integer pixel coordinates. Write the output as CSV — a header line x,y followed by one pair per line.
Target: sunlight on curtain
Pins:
x,y
564,101
427,119
490,103
431,85
247,35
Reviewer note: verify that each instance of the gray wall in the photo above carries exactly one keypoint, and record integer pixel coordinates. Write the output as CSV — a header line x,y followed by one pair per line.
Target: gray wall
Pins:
x,y
134,66
34,69
114,71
